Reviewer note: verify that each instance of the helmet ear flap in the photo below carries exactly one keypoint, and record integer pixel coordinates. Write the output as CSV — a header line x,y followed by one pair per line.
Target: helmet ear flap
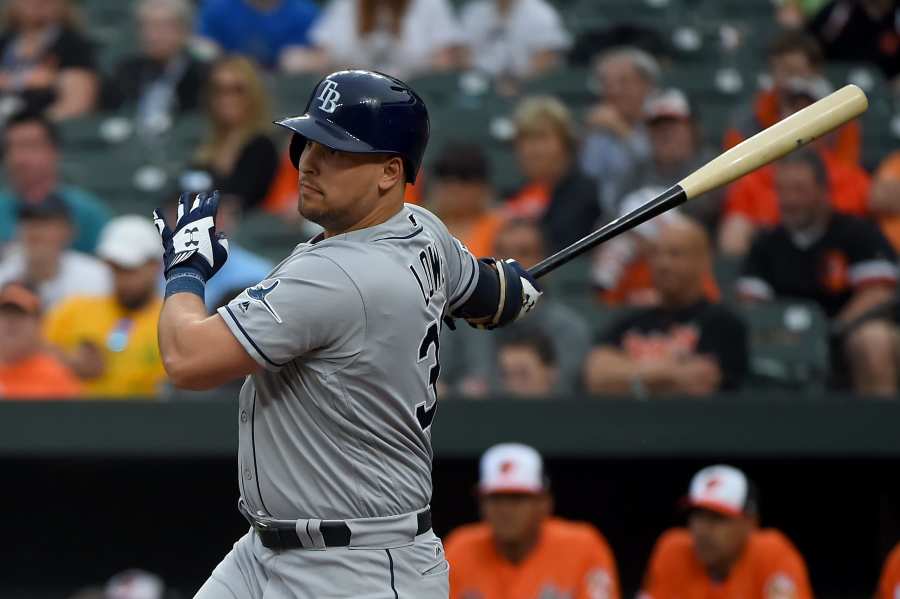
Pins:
x,y
296,148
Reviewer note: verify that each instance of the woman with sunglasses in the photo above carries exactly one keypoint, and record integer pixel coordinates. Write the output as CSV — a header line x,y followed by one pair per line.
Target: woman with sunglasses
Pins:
x,y
238,155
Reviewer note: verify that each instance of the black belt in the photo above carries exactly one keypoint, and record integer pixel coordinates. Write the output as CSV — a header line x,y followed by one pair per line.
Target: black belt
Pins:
x,y
335,533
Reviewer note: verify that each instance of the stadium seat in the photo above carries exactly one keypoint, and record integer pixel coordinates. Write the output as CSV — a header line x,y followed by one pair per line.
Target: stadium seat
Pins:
x,y
788,345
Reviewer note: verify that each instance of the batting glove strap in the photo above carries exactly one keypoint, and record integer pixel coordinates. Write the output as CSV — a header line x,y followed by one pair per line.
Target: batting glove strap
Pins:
x,y
186,280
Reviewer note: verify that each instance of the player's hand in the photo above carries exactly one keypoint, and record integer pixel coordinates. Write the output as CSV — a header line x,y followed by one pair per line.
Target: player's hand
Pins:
x,y
531,291
194,245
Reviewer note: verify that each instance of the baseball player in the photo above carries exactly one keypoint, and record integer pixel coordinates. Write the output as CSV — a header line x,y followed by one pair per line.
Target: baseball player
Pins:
x,y
339,345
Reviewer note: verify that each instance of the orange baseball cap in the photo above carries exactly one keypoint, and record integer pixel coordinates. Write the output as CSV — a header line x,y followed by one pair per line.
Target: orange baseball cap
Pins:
x,y
19,296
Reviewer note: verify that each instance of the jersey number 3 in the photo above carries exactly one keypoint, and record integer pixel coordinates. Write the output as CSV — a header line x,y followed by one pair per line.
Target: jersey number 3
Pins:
x,y
425,412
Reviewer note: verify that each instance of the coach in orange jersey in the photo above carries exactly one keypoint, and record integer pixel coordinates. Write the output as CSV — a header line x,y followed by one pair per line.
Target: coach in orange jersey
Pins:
x,y
520,551
723,554
889,587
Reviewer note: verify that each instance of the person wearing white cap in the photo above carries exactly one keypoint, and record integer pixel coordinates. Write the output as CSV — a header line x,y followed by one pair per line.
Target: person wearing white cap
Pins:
x,y
519,550
110,340
723,552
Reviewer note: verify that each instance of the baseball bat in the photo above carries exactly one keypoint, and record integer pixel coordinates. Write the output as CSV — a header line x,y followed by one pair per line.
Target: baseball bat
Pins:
x,y
768,145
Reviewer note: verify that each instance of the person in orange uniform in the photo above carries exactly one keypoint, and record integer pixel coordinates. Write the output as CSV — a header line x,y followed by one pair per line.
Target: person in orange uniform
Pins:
x,y
889,587
27,371
723,554
519,551
110,340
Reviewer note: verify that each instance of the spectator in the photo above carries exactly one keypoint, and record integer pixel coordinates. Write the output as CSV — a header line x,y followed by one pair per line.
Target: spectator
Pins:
x,y
267,31
519,549
723,552
26,370
618,141
840,262
110,341
884,197
527,363
42,261
48,65
676,150
513,38
162,77
861,30
243,269
889,586
621,269
398,37
795,66
31,155
238,154
556,191
473,359
461,194
552,318
752,202
684,346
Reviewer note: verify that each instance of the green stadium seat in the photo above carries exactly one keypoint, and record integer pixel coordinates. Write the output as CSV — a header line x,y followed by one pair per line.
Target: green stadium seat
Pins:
x,y
268,235
788,345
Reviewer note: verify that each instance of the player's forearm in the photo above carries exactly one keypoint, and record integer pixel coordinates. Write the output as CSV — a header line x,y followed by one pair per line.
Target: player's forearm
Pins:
x,y
180,316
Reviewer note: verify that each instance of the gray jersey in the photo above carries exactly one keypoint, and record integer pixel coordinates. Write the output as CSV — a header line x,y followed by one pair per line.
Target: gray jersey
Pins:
x,y
347,329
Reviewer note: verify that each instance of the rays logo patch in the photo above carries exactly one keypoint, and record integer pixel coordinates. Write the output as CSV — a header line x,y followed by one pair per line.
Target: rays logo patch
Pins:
x,y
260,293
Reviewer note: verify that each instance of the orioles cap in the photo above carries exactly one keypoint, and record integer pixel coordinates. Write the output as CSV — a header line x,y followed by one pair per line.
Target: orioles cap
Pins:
x,y
722,489
511,468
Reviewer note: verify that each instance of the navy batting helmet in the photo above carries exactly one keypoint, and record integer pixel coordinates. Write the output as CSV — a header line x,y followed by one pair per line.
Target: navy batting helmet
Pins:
x,y
364,112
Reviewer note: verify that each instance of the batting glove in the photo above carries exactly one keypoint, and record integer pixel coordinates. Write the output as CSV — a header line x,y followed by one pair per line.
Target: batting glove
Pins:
x,y
194,252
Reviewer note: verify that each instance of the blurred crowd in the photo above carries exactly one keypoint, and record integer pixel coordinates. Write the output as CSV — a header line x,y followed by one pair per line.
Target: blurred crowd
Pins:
x,y
672,308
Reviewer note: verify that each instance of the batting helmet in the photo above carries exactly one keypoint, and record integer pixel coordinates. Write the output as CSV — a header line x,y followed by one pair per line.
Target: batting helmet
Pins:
x,y
364,112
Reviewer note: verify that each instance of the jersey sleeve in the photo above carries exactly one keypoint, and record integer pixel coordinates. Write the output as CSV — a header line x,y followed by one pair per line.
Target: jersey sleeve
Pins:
x,y
309,305
871,257
889,585
786,575
599,580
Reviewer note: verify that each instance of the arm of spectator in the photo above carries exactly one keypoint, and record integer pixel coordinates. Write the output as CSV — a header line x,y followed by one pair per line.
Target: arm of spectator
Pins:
x,y
611,371
86,360
604,116
543,61
302,59
884,196
186,335
872,272
735,234
77,91
865,299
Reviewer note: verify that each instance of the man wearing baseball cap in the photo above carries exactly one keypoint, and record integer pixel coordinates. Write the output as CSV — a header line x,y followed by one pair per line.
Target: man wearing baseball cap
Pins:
x,y
110,340
723,553
519,550
27,371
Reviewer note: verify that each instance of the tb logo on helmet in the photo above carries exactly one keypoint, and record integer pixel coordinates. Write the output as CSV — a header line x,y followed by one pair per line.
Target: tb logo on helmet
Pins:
x,y
329,96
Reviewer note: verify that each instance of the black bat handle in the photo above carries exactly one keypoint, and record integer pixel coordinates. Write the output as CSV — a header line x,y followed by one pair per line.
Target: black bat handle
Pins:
x,y
674,196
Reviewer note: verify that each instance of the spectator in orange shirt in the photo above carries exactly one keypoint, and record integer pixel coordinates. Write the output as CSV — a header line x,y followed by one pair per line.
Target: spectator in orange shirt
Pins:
x,y
752,202
461,194
26,370
795,66
519,551
722,554
889,587
884,197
